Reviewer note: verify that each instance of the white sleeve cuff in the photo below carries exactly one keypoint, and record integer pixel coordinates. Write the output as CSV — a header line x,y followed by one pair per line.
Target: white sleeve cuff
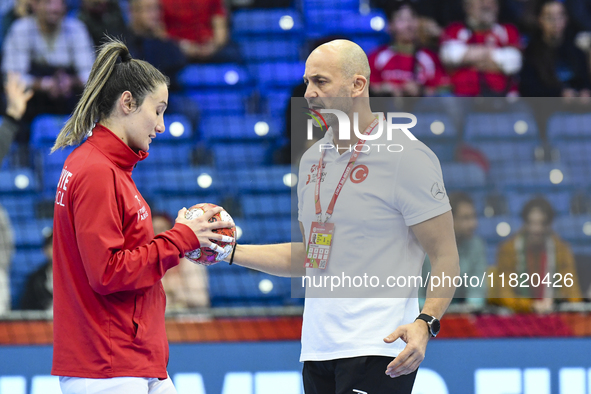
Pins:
x,y
452,52
508,59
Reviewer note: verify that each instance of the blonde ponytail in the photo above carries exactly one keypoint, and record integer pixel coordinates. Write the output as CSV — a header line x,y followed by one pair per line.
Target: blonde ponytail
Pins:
x,y
107,81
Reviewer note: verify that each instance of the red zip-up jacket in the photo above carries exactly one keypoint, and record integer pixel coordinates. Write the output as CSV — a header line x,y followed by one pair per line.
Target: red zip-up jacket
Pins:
x,y
107,267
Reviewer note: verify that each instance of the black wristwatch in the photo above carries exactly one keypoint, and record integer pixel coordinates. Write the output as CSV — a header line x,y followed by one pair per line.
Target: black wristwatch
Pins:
x,y
432,323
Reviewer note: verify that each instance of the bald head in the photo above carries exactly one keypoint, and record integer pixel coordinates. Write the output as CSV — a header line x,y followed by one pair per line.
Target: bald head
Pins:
x,y
349,56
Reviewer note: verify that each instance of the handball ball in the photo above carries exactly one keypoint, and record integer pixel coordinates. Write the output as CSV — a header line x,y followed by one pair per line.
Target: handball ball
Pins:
x,y
206,256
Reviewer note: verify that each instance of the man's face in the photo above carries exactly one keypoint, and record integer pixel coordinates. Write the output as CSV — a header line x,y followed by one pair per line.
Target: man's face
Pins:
x,y
404,25
49,12
147,14
537,227
553,19
327,87
465,221
483,12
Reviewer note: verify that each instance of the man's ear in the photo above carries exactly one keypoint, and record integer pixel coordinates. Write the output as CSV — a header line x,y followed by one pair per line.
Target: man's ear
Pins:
x,y
126,102
359,85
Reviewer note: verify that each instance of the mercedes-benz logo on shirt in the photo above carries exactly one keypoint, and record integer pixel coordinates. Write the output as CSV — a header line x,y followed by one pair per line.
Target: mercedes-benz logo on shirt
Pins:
x,y
438,192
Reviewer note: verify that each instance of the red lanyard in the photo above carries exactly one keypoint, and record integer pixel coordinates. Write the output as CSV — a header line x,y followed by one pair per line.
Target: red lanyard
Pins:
x,y
354,156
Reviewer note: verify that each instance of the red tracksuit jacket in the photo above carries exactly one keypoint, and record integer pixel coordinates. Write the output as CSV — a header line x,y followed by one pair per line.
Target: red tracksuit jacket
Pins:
x,y
108,297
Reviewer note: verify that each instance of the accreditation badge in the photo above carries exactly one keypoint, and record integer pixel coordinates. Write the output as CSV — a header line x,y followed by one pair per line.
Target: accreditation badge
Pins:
x,y
319,244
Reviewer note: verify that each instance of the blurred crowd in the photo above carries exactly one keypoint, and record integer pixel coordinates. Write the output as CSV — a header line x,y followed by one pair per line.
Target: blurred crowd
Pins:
x,y
466,48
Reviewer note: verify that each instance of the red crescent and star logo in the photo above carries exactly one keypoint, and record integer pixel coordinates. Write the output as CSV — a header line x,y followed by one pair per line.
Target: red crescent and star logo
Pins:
x,y
359,173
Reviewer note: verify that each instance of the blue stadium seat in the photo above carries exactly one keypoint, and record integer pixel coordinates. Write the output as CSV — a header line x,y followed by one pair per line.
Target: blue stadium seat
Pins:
x,y
24,262
278,75
19,207
219,103
214,76
576,229
30,233
433,126
45,128
237,155
179,181
254,205
575,152
18,181
270,229
369,43
165,154
277,22
327,22
52,165
241,287
247,127
497,228
311,6
178,128
535,177
500,126
517,152
564,126
560,200
260,50
258,180
464,176
276,101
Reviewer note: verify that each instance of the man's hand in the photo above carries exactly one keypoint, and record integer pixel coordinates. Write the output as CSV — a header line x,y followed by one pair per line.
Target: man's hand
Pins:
x,y
17,95
416,335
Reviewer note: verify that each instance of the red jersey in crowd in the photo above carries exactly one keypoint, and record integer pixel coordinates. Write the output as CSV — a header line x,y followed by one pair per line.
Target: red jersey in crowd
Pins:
x,y
396,68
191,19
107,267
468,81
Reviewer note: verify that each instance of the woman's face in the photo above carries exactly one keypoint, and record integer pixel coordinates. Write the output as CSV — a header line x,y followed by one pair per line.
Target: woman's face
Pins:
x,y
553,19
147,120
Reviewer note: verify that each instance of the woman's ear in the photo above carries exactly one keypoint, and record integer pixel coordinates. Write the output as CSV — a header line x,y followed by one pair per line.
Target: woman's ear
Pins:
x,y
126,102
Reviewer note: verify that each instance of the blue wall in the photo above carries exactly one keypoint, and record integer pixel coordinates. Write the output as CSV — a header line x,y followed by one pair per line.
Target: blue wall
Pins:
x,y
492,366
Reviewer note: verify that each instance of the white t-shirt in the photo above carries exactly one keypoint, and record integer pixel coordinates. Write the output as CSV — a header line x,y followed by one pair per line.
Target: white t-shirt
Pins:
x,y
372,217
70,47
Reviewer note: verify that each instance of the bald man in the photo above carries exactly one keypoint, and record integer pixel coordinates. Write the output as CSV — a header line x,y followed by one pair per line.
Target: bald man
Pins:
x,y
392,209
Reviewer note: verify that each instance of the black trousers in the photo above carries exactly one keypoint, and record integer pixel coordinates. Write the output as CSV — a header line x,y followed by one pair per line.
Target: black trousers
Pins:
x,y
354,375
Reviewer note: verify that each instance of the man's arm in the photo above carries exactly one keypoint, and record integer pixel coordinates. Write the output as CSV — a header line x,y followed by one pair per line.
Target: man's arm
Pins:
x,y
272,259
437,237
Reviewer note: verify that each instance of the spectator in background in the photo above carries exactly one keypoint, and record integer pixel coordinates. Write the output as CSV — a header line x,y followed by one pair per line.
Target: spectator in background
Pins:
x,y
148,40
21,9
401,68
54,54
102,17
553,65
17,96
471,249
201,28
535,249
38,293
481,54
186,284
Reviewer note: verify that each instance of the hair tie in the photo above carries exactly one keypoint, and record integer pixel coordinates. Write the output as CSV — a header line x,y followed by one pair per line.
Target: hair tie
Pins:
x,y
126,57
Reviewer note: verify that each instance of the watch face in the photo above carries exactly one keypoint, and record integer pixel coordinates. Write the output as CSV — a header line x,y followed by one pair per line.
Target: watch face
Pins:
x,y
435,326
